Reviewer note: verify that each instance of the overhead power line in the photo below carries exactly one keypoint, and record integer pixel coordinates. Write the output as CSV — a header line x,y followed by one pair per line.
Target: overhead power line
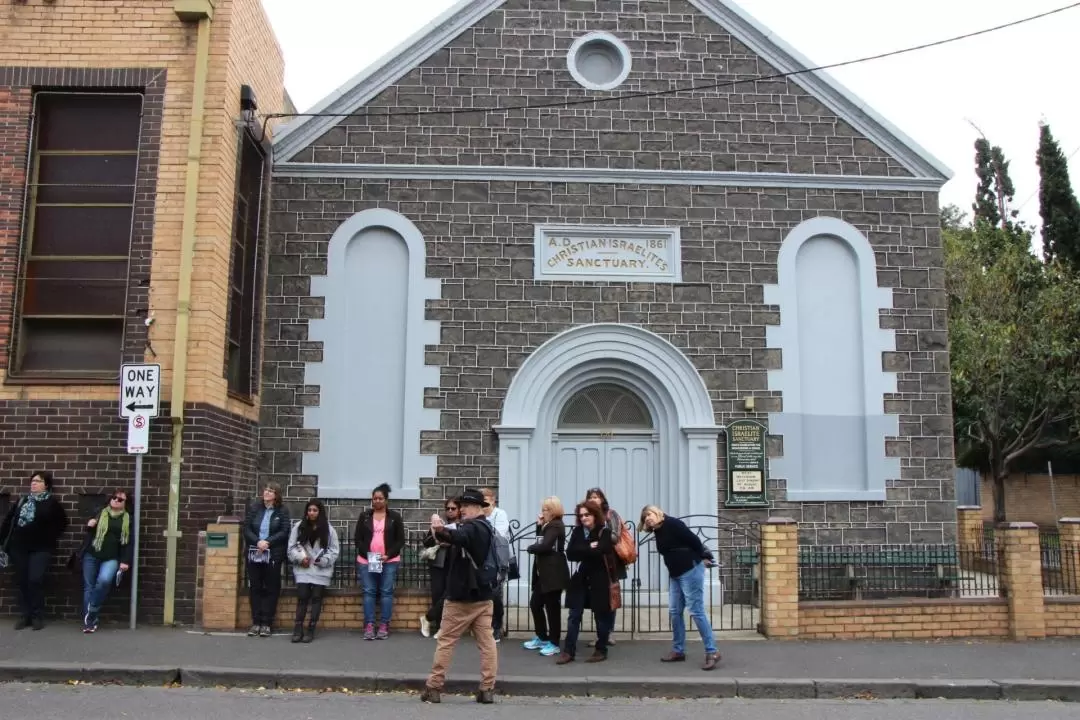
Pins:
x,y
675,90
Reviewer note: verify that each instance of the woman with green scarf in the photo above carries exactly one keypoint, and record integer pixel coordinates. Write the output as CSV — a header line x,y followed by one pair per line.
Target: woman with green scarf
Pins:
x,y
108,552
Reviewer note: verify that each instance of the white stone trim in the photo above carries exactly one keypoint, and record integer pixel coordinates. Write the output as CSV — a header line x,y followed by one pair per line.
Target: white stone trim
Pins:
x,y
642,234
354,94
330,460
876,382
823,86
616,44
381,74
378,171
661,375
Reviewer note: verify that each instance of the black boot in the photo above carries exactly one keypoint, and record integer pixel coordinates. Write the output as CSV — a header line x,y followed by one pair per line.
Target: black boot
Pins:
x,y
298,633
309,634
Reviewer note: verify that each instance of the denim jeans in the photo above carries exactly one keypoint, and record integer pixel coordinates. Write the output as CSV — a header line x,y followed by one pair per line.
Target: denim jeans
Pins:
x,y
688,590
98,579
381,584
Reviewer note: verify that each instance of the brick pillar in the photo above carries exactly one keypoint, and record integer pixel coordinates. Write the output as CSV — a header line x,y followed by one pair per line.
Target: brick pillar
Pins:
x,y
1069,533
221,576
969,521
1021,574
780,578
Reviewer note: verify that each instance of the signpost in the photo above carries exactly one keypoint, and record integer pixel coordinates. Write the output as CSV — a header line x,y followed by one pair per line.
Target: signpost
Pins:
x,y
140,389
746,465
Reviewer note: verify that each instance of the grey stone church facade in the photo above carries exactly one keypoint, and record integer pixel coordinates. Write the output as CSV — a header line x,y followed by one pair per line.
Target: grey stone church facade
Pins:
x,y
547,245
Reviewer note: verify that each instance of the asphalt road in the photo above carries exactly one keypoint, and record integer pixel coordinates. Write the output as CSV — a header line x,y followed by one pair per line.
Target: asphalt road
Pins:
x,y
64,702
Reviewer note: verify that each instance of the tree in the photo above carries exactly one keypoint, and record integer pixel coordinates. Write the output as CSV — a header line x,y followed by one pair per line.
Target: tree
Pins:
x,y
1015,350
1058,206
995,190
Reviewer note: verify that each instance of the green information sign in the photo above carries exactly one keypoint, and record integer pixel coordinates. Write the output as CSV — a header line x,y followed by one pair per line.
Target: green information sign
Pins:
x,y
217,540
746,465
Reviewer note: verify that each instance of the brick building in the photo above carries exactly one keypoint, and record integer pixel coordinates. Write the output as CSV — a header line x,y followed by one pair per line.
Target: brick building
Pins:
x,y
518,251
133,168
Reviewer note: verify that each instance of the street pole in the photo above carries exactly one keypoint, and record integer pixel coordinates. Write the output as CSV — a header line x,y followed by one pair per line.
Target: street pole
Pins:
x,y
137,511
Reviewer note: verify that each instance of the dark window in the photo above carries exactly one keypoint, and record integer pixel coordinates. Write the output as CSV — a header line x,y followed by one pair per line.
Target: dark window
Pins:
x,y
80,201
244,277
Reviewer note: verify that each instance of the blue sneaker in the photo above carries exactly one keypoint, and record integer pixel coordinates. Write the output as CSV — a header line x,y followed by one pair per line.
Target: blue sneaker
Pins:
x,y
549,649
534,644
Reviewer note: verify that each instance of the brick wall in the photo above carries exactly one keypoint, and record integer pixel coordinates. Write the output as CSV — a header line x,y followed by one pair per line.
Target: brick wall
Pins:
x,y
479,237
84,37
1063,617
766,126
83,443
906,620
345,610
16,96
1029,497
480,242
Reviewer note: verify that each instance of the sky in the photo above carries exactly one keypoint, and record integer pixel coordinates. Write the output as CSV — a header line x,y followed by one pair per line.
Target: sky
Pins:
x,y
1003,83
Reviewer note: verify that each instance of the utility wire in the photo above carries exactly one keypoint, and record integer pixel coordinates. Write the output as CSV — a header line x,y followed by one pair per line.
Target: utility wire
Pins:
x,y
673,91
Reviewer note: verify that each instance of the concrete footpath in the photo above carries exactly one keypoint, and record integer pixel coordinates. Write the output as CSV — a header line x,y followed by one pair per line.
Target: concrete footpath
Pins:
x,y
338,660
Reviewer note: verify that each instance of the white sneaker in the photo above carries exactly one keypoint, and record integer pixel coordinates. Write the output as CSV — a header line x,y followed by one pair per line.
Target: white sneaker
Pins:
x,y
425,627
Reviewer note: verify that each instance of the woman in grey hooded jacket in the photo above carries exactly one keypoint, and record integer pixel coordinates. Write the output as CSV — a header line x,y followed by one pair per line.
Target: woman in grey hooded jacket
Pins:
x,y
313,552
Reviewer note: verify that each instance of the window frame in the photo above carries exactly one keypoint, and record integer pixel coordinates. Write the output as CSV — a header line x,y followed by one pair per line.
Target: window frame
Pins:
x,y
244,337
31,188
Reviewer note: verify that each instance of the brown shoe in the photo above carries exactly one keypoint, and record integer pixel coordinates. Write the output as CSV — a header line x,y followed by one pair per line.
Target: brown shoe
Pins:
x,y
564,659
711,661
673,657
430,696
597,657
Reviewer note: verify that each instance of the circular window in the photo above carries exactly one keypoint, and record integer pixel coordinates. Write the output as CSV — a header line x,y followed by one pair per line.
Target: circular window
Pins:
x,y
599,61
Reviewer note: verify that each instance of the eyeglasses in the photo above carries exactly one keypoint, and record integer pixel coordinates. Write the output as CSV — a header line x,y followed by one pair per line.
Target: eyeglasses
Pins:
x,y
118,498
451,508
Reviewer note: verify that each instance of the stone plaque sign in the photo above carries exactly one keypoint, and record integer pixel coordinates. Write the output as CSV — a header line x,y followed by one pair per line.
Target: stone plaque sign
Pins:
x,y
616,253
746,464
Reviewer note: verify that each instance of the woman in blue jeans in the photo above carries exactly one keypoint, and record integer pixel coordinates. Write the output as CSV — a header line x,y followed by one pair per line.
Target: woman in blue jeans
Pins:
x,y
379,539
108,551
686,559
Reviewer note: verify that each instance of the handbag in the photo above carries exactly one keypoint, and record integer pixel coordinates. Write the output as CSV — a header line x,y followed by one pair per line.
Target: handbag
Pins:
x,y
614,588
626,547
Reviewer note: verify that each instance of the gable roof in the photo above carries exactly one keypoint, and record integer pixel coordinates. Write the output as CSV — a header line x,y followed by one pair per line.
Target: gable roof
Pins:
x,y
359,90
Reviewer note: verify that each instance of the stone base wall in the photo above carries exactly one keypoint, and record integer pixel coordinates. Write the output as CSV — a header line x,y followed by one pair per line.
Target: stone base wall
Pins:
x,y
890,620
84,444
1063,617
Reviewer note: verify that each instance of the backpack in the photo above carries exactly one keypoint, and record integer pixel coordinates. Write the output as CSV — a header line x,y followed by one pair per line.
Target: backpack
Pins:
x,y
496,566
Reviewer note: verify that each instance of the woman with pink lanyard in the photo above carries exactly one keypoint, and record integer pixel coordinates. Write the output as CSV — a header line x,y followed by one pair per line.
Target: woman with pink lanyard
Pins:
x,y
379,538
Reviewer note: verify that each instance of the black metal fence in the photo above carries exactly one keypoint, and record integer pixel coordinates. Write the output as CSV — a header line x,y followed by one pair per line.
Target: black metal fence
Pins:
x,y
731,587
1060,567
878,572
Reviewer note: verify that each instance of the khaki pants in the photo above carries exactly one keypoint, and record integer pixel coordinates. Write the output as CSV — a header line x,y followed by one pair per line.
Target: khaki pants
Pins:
x,y
458,617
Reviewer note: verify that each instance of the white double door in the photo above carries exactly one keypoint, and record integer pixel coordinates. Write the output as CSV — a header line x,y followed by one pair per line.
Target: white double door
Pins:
x,y
624,466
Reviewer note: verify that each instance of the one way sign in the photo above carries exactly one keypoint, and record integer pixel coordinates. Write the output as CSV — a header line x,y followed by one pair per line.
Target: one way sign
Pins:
x,y
140,386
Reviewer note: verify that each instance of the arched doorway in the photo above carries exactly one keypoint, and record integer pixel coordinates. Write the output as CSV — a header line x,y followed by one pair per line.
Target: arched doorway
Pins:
x,y
605,437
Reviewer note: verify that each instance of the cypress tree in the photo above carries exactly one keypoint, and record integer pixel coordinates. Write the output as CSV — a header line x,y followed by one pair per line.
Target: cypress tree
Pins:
x,y
1058,206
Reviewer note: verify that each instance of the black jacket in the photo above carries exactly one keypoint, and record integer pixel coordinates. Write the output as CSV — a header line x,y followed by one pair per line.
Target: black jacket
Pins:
x,y
591,582
473,537
550,571
393,533
280,527
680,547
50,522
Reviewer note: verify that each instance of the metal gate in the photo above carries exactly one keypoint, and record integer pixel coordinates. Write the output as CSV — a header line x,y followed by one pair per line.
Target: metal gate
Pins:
x,y
732,598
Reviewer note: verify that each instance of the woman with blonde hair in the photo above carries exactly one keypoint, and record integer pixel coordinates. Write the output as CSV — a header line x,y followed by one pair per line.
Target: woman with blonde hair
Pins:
x,y
550,576
686,559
